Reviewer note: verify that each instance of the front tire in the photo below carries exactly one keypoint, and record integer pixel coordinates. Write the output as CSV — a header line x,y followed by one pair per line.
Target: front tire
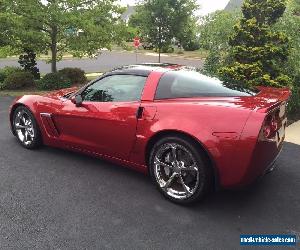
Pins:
x,y
26,128
179,169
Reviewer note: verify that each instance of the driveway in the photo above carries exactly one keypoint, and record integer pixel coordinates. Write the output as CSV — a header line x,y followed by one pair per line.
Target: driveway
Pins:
x,y
107,61
54,199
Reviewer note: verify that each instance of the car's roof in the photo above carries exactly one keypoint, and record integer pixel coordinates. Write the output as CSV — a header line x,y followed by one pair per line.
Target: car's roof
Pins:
x,y
145,69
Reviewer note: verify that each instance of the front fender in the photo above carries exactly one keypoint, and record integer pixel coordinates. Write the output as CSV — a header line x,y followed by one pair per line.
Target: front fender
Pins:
x,y
36,104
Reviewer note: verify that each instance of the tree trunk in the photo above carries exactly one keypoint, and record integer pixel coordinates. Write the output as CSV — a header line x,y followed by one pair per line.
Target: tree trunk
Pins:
x,y
159,43
159,54
53,49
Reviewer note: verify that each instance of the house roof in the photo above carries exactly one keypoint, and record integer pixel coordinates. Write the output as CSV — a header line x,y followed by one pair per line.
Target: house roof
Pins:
x,y
130,11
234,4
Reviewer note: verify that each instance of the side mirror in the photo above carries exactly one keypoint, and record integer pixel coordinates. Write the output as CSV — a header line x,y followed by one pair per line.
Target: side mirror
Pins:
x,y
77,100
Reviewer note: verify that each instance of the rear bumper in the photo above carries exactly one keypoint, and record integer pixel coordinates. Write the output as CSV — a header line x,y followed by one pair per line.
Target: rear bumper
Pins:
x,y
272,165
261,162
265,154
263,159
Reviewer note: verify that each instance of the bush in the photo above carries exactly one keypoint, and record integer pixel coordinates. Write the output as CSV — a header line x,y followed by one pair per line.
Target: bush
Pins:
x,y
28,62
2,76
8,70
258,50
212,64
18,80
76,75
167,49
191,45
53,81
127,47
294,102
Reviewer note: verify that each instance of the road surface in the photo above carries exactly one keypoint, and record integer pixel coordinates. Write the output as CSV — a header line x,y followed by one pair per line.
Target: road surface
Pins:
x,y
107,61
54,199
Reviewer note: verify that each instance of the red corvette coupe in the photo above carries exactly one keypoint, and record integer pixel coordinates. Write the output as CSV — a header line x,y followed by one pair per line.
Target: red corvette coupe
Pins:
x,y
191,132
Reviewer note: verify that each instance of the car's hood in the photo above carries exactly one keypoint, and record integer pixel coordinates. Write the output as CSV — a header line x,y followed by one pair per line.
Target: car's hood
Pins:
x,y
57,94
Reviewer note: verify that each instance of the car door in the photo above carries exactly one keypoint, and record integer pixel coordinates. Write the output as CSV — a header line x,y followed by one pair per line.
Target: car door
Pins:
x,y
106,120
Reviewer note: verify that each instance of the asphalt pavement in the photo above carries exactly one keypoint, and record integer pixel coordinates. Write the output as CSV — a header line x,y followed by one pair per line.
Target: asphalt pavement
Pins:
x,y
54,199
108,60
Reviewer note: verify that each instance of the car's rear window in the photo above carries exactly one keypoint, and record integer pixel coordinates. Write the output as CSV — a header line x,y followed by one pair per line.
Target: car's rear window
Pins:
x,y
185,84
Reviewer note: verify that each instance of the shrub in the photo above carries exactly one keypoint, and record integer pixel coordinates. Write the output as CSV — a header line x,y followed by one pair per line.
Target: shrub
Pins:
x,y
28,62
2,76
8,70
53,81
294,102
127,47
212,63
191,45
258,50
18,80
167,49
76,75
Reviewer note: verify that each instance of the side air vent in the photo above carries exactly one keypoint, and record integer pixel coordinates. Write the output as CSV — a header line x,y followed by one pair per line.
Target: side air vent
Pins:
x,y
49,125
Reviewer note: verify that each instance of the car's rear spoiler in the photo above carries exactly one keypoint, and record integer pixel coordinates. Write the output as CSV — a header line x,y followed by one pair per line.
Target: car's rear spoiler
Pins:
x,y
269,98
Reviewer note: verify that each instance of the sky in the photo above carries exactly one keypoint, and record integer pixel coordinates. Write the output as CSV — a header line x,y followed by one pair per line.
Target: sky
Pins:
x,y
206,6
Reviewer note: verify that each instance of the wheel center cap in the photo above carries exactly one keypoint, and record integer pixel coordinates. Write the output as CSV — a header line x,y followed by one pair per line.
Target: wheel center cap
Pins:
x,y
177,170
177,167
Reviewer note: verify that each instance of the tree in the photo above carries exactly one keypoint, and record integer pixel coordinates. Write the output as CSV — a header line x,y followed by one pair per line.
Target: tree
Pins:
x,y
259,51
79,27
159,21
184,21
290,24
5,26
6,31
215,31
188,36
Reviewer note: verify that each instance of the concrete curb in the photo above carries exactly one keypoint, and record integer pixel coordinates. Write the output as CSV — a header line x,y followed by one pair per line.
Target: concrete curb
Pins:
x,y
293,133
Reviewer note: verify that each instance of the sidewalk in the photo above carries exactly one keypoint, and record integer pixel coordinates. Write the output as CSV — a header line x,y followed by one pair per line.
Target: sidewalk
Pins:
x,y
293,133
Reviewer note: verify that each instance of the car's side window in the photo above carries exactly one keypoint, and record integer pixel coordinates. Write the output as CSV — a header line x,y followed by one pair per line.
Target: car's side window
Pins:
x,y
189,84
115,88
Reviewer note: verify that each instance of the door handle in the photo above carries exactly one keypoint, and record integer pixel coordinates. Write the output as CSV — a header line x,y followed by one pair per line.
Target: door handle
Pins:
x,y
139,112
146,113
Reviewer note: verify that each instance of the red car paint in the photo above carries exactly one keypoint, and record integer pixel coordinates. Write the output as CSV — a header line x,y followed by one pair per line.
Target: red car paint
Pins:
x,y
228,128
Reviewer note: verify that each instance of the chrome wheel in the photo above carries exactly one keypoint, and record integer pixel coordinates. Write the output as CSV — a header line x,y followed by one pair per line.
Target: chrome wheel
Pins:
x,y
24,129
176,171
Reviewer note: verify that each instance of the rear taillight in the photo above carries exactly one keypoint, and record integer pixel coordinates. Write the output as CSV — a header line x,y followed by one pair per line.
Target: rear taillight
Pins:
x,y
271,125
267,131
274,123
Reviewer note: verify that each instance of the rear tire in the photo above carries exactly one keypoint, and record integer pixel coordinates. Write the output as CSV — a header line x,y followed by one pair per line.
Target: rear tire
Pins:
x,y
26,128
180,170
